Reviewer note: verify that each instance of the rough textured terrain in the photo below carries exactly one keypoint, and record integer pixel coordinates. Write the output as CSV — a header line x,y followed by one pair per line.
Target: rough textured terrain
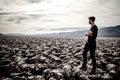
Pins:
x,y
38,58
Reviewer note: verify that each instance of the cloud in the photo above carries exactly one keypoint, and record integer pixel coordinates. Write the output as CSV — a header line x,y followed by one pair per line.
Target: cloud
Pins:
x,y
67,28
61,29
56,15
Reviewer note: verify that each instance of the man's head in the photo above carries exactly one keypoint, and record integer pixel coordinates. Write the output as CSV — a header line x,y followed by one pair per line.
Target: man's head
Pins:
x,y
91,20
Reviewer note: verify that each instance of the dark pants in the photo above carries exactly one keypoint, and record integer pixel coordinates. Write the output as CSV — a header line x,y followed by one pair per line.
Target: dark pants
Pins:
x,y
90,47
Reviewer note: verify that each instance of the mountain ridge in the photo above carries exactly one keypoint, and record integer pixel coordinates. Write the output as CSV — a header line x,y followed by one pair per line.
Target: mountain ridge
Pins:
x,y
113,31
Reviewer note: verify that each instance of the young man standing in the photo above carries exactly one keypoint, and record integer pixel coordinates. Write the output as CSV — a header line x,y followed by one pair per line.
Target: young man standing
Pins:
x,y
90,45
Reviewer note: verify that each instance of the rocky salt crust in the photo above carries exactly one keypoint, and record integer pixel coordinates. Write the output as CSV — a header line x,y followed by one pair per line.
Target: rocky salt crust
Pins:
x,y
38,58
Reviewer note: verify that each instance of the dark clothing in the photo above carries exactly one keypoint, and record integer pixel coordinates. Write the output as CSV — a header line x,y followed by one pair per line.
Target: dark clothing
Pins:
x,y
92,39
91,46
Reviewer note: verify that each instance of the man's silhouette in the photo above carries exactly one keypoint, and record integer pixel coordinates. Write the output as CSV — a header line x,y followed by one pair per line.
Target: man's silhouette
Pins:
x,y
90,45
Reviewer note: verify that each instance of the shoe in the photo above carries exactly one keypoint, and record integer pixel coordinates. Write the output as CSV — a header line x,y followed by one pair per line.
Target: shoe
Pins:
x,y
83,67
93,72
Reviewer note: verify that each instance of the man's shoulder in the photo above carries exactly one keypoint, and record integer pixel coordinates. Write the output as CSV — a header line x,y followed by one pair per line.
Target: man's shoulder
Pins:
x,y
95,26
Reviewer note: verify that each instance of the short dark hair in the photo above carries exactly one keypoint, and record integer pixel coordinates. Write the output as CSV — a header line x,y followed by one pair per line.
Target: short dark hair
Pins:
x,y
92,18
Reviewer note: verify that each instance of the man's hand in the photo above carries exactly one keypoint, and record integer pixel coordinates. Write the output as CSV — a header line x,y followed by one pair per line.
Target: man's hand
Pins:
x,y
89,33
86,33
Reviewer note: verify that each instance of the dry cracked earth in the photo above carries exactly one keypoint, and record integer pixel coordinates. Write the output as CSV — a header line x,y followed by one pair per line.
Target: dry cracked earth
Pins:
x,y
47,58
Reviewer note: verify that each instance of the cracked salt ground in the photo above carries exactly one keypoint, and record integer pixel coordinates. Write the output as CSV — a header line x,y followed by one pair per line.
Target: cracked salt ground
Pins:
x,y
36,58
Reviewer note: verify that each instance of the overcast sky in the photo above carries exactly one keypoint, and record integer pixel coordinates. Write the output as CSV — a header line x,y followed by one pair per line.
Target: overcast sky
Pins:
x,y
51,16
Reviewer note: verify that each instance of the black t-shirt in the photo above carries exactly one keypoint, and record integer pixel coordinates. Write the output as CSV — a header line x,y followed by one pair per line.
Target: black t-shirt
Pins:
x,y
92,39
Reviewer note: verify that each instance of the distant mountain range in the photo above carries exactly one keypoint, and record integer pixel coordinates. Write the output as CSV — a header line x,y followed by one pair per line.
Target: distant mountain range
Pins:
x,y
102,32
1,34
11,34
110,31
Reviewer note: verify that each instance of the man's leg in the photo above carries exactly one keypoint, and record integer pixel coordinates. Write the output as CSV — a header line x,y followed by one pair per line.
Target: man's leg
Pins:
x,y
86,48
92,55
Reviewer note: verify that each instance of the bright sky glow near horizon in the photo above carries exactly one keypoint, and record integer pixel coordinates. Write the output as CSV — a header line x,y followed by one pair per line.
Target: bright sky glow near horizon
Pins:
x,y
53,16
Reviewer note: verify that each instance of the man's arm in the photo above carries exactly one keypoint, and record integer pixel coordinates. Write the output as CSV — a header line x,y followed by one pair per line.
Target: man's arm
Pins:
x,y
89,33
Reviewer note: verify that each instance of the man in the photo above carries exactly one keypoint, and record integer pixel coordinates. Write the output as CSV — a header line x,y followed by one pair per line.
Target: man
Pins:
x,y
90,45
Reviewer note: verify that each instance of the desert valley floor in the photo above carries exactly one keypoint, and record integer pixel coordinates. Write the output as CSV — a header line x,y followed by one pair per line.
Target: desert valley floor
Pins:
x,y
50,58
